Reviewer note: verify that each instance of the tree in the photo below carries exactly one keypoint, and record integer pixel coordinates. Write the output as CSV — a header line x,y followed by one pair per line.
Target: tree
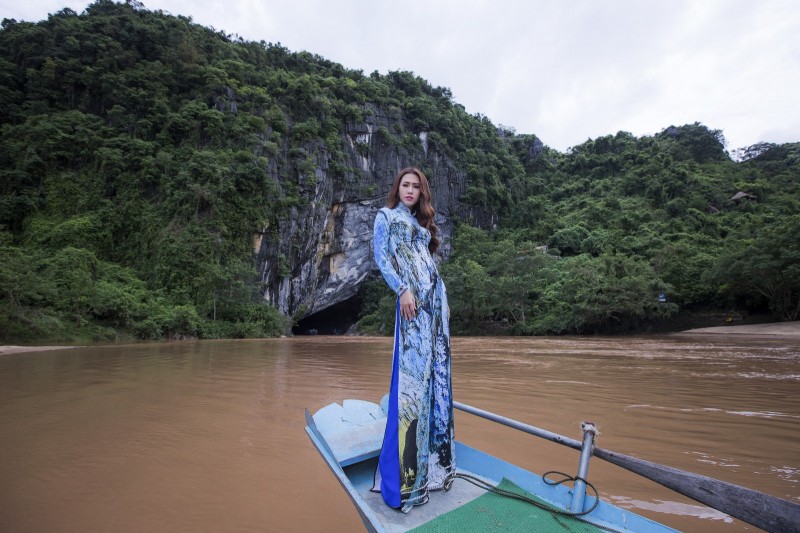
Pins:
x,y
765,261
609,293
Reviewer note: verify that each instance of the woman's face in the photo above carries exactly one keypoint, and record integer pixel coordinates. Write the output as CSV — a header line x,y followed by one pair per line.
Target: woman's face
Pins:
x,y
409,189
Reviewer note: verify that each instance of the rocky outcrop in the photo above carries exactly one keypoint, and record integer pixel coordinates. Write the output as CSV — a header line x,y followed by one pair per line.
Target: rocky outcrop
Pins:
x,y
320,254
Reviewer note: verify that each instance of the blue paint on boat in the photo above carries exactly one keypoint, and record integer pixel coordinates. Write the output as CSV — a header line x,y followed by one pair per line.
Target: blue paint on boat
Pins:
x,y
349,437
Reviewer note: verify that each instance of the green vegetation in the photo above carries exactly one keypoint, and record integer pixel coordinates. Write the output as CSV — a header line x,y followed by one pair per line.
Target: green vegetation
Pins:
x,y
140,153
626,219
589,240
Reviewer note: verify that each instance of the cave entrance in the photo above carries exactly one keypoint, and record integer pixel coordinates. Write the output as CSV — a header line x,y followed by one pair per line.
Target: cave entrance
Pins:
x,y
334,320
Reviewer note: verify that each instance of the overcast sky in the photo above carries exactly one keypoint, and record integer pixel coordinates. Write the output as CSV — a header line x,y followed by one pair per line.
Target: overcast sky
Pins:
x,y
565,70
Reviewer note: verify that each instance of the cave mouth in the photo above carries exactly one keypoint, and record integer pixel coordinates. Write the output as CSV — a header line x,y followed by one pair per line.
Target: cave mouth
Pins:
x,y
334,320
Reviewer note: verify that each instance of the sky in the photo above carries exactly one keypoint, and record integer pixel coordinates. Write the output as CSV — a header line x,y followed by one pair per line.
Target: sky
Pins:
x,y
564,70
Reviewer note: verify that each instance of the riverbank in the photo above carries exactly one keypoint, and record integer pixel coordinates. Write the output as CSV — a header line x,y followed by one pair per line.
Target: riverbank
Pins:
x,y
21,349
772,329
779,329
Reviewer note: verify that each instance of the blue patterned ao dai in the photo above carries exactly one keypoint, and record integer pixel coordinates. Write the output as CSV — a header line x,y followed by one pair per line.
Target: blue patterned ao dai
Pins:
x,y
418,446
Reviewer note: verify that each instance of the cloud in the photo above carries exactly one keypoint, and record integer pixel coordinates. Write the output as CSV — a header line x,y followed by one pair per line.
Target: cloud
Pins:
x,y
564,71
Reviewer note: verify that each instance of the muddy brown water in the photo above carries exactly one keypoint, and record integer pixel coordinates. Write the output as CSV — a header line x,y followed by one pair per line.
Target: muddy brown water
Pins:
x,y
208,436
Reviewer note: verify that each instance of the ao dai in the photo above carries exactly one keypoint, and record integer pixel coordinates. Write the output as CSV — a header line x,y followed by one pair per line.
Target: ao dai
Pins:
x,y
418,447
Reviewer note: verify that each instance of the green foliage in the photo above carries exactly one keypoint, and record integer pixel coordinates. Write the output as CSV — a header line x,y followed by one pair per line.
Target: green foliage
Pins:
x,y
140,152
501,284
621,220
125,148
492,282
161,146
378,308
696,142
764,261
609,293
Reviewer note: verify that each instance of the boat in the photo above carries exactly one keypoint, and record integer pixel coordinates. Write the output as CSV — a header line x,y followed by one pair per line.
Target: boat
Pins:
x,y
504,497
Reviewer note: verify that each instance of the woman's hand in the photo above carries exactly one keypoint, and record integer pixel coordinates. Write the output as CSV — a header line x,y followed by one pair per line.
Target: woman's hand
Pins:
x,y
408,305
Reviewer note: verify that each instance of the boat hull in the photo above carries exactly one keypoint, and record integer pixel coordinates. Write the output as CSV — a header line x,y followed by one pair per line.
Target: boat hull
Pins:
x,y
349,442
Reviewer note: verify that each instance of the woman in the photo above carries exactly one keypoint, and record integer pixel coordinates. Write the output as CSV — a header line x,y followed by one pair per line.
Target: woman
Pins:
x,y
417,454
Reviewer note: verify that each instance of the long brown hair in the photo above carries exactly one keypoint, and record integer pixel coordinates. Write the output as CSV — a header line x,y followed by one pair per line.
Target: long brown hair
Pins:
x,y
424,208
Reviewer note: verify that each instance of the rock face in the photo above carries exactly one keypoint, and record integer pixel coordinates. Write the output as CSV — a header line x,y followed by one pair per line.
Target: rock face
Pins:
x,y
321,253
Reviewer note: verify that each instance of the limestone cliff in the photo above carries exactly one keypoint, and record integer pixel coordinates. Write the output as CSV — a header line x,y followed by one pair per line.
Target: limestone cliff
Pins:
x,y
320,254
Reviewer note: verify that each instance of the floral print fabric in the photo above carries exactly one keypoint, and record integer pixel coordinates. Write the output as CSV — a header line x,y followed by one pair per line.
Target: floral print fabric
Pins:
x,y
418,452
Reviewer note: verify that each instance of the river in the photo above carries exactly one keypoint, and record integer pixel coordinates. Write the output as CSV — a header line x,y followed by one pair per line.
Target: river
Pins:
x,y
208,436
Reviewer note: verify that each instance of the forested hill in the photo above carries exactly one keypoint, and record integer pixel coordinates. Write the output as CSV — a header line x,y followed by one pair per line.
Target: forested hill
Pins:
x,y
162,179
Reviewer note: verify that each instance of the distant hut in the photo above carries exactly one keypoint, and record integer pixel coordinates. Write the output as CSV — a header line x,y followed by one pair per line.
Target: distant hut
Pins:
x,y
739,196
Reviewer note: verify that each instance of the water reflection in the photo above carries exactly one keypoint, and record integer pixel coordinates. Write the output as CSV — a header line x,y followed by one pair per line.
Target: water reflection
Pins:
x,y
208,436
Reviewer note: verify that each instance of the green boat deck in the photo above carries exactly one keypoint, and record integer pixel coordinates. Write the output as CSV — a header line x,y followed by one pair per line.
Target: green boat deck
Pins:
x,y
349,437
465,507
493,512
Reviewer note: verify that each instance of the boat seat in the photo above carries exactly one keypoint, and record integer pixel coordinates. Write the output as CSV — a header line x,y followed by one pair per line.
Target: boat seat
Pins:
x,y
353,430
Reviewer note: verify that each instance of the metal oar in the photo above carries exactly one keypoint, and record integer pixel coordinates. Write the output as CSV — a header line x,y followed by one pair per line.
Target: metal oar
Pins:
x,y
761,510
